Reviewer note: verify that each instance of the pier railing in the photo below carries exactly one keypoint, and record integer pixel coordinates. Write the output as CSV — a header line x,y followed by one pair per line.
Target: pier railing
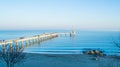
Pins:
x,y
28,40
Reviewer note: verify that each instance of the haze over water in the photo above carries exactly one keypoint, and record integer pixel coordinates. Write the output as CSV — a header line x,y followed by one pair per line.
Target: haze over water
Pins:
x,y
60,14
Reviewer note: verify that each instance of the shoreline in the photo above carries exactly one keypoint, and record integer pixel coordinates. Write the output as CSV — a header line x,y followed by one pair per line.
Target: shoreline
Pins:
x,y
65,60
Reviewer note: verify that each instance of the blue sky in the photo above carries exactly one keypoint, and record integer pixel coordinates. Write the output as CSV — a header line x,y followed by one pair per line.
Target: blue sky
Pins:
x,y
60,14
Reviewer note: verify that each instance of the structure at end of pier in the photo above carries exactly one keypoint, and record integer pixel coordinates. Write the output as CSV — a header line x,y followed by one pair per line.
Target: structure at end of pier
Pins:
x,y
72,33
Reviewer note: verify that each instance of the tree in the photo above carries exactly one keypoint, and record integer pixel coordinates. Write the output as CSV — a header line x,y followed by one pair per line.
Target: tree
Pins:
x,y
117,43
12,55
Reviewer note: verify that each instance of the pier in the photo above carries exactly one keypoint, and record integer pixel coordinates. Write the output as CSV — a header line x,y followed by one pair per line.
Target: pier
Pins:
x,y
71,33
23,42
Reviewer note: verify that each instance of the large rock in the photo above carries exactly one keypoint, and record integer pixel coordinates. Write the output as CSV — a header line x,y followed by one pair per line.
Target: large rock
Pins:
x,y
94,52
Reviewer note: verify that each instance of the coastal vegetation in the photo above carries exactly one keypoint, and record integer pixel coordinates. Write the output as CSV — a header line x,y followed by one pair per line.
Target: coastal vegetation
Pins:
x,y
117,43
12,55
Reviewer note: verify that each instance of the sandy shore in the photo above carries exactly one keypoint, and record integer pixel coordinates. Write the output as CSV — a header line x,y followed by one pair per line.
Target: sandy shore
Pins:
x,y
65,60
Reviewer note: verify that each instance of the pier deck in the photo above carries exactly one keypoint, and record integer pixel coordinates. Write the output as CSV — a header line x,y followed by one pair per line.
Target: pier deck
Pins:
x,y
41,36
26,41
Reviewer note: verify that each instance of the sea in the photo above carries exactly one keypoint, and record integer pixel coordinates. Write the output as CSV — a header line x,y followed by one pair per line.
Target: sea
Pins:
x,y
65,44
64,50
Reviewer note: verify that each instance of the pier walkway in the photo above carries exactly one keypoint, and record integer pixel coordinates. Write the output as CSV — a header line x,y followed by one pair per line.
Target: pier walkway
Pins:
x,y
25,42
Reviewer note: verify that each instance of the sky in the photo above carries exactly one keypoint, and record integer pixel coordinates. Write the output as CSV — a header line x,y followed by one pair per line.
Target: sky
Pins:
x,y
60,14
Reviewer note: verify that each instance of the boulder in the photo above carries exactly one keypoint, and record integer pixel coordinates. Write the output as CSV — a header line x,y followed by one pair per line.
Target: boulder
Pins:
x,y
94,52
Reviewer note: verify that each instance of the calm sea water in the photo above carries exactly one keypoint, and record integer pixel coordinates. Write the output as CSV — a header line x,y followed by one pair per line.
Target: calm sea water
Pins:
x,y
102,40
